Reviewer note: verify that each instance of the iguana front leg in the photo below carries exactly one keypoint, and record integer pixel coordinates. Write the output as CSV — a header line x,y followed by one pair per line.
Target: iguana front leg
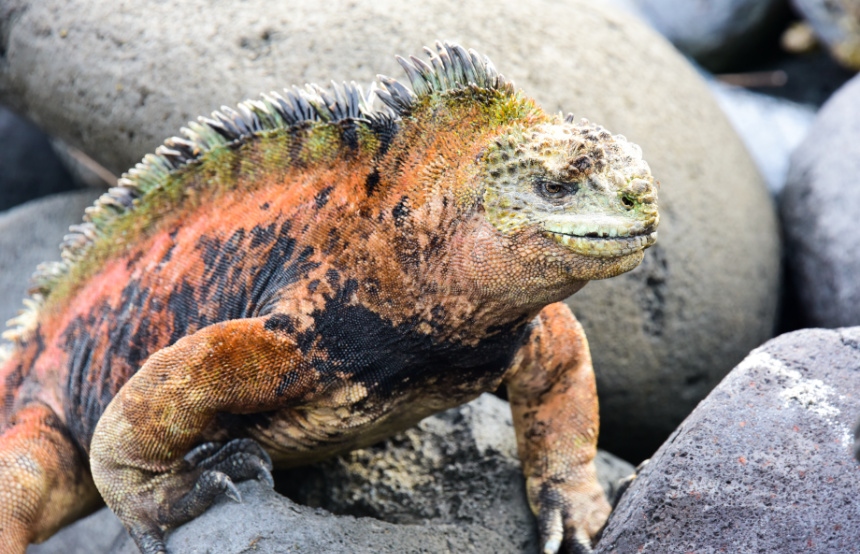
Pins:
x,y
554,403
140,455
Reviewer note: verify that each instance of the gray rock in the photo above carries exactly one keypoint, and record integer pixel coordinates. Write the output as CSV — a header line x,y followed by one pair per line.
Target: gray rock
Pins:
x,y
715,33
31,234
267,523
837,25
771,128
95,534
820,210
764,464
661,337
453,483
29,167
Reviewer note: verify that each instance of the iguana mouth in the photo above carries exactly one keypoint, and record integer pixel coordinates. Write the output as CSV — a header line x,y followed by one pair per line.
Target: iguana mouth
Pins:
x,y
605,247
604,241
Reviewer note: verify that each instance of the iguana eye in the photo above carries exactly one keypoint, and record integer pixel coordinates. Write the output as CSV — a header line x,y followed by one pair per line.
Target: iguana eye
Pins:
x,y
554,189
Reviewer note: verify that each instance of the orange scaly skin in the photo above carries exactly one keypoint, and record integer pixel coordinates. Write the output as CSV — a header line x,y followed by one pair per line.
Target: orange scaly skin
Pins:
x,y
282,289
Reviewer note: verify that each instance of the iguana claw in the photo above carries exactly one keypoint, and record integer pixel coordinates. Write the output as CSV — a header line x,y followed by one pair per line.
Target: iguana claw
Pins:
x,y
210,469
566,522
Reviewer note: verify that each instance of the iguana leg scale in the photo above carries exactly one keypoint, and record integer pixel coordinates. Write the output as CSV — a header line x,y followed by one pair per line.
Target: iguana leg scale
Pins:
x,y
44,482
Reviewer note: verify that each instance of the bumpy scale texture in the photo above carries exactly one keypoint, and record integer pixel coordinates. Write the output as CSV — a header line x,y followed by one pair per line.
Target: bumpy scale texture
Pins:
x,y
308,274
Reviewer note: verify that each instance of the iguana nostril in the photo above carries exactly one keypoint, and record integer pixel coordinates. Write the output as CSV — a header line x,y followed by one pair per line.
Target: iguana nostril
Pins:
x,y
639,191
640,187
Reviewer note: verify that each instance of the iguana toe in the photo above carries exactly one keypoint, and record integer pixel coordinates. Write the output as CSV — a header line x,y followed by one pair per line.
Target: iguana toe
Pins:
x,y
211,454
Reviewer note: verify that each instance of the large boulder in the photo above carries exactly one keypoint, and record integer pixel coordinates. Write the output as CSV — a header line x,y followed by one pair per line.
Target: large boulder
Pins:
x,y
764,464
662,336
452,483
820,210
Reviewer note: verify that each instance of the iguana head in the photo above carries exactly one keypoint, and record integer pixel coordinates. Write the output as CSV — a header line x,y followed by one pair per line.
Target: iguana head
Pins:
x,y
557,202
587,192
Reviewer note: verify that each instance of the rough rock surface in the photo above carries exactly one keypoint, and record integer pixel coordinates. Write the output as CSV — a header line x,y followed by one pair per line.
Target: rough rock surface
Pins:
x,y
837,24
661,336
764,464
451,484
820,210
714,33
29,167
31,234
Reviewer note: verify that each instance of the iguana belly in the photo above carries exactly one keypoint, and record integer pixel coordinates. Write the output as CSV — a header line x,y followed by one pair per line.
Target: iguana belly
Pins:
x,y
366,404
310,433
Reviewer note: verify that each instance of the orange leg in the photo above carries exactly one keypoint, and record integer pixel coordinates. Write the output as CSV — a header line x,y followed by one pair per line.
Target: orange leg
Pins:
x,y
554,403
44,479
141,454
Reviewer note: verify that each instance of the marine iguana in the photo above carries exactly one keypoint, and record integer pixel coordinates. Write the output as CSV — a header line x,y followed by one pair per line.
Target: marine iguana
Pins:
x,y
308,274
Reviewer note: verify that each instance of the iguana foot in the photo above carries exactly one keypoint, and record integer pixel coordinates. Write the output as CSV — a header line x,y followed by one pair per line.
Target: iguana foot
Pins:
x,y
238,457
569,519
204,473
238,460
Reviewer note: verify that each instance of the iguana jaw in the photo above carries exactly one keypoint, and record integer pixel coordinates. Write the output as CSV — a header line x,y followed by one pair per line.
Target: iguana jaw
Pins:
x,y
603,237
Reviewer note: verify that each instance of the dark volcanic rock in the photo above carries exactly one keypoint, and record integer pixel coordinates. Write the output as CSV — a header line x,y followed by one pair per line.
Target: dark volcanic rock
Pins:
x,y
857,441
412,477
820,210
764,464
29,167
837,24
718,35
